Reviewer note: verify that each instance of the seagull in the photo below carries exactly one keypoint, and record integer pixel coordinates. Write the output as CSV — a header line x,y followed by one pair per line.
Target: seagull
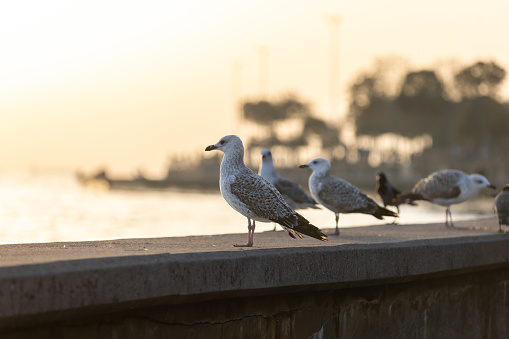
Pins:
x,y
389,193
502,207
339,195
448,187
293,194
254,197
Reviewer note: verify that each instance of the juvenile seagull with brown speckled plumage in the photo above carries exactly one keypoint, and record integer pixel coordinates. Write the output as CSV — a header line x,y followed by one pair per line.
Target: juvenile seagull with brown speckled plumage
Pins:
x,y
339,195
448,187
254,197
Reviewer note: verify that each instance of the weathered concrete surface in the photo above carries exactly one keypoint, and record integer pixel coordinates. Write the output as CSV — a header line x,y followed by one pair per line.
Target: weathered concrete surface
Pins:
x,y
459,306
280,286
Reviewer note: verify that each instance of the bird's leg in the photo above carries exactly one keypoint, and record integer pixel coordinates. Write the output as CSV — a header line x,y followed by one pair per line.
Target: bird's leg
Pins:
x,y
499,226
251,240
337,228
275,226
448,217
250,234
395,218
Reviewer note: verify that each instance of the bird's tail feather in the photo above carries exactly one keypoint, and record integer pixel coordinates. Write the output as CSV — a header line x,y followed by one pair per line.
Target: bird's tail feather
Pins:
x,y
296,225
292,233
306,228
384,212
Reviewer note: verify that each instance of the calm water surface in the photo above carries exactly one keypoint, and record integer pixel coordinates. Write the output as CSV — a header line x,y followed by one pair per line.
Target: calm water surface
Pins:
x,y
48,207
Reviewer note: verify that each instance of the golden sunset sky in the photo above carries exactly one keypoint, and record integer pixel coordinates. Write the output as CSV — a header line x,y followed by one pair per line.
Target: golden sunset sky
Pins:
x,y
124,84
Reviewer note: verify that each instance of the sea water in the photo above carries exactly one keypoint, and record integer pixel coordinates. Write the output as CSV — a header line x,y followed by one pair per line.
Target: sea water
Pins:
x,y
54,207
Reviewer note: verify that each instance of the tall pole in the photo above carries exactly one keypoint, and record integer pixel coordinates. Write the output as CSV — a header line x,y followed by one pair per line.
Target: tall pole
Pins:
x,y
334,21
236,92
263,71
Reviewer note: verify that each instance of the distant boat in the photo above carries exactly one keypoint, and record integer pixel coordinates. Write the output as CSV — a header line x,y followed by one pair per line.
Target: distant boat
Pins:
x,y
197,179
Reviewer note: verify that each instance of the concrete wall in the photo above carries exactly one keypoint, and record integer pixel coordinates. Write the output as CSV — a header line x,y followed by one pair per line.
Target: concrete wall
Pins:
x,y
420,281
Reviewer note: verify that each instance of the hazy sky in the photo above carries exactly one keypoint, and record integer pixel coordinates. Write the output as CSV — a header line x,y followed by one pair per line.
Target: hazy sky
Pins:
x,y
125,83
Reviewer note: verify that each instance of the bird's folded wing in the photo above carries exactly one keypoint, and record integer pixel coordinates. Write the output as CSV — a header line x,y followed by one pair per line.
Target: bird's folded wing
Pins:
x,y
260,197
293,191
441,185
340,193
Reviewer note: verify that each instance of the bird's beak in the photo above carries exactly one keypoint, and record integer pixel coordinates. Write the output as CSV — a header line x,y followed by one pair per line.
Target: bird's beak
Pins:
x,y
491,186
303,166
211,148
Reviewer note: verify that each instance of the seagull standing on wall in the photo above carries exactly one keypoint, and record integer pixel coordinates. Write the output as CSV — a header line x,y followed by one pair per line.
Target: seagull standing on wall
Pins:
x,y
291,192
339,195
448,187
254,197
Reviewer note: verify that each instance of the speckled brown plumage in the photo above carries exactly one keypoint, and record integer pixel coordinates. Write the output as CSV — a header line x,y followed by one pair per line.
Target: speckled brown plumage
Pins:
x,y
254,197
447,187
442,184
339,195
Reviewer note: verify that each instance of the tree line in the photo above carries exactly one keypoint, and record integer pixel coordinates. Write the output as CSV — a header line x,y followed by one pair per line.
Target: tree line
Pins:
x,y
463,112
423,106
269,115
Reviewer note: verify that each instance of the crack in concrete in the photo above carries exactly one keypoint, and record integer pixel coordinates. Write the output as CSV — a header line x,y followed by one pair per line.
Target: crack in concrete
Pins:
x,y
277,315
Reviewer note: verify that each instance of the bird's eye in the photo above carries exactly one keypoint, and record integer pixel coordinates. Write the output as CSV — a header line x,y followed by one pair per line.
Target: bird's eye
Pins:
x,y
478,181
314,162
222,142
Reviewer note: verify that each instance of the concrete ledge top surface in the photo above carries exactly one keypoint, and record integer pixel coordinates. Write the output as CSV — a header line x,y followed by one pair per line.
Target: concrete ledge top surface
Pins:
x,y
57,277
383,235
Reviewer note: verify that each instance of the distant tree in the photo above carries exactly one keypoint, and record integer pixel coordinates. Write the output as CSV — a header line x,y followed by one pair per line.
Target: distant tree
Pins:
x,y
416,109
330,138
480,129
292,106
262,112
481,120
314,125
480,79
474,124
267,114
370,106
422,92
423,107
372,96
329,135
